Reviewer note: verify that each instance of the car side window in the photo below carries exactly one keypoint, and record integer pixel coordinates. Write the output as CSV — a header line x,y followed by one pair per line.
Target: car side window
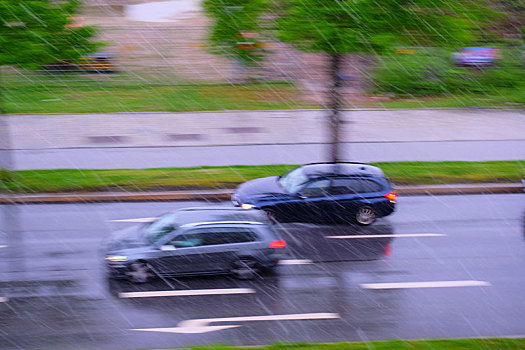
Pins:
x,y
344,186
316,189
217,236
229,235
349,186
243,235
214,236
187,240
367,186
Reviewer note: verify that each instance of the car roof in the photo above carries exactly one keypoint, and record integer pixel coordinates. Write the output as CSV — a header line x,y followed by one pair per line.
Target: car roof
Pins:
x,y
341,169
218,215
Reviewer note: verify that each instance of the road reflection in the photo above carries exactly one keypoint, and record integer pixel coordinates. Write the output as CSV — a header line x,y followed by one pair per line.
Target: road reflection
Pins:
x,y
325,243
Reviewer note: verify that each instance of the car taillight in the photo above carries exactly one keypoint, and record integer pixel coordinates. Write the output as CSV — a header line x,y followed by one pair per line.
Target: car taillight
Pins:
x,y
388,249
278,244
391,196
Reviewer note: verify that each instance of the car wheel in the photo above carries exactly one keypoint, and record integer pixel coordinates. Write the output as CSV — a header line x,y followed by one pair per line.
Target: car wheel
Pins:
x,y
245,268
140,272
365,216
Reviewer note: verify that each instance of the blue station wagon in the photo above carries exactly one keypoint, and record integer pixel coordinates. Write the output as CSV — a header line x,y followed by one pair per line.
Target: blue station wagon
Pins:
x,y
320,193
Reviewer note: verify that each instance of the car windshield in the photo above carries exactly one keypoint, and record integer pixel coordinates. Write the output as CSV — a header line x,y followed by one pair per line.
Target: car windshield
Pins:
x,y
159,228
293,181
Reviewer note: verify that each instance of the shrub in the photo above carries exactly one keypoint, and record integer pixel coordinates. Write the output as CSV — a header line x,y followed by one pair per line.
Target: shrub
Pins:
x,y
433,73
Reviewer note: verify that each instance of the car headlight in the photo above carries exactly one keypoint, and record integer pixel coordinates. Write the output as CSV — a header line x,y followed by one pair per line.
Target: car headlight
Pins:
x,y
247,206
116,258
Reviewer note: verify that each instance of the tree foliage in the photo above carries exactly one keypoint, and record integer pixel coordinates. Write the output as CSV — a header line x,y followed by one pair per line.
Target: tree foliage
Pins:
x,y
36,32
342,26
236,30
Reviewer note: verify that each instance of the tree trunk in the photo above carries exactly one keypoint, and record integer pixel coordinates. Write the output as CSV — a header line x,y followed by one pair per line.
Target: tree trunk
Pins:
x,y
335,102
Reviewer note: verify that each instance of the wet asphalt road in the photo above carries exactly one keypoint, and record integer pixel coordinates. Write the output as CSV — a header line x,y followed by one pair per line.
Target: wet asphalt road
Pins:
x,y
54,294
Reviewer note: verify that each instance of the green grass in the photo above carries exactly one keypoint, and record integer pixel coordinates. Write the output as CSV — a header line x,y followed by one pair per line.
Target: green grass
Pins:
x,y
419,173
151,98
437,344
30,92
33,93
402,173
509,98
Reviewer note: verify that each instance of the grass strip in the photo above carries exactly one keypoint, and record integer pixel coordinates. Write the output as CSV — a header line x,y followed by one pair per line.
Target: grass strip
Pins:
x,y
84,96
402,173
33,92
434,344
503,98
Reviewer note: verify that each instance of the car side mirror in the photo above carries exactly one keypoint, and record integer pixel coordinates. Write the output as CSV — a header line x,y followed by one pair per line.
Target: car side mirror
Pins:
x,y
167,248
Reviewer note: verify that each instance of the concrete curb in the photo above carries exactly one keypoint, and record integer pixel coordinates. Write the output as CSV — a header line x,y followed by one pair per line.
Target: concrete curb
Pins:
x,y
224,195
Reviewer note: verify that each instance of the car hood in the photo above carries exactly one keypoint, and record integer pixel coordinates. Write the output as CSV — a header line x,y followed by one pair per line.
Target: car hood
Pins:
x,y
130,237
251,191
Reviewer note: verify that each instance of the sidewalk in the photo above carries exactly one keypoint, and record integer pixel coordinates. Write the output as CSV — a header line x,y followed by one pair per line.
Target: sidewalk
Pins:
x,y
224,195
159,140
221,128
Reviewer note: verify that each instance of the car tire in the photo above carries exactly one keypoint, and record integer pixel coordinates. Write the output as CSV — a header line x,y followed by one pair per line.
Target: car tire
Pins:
x,y
365,216
140,272
245,268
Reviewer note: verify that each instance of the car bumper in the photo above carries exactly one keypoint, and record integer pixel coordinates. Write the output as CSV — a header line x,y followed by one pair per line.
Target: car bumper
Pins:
x,y
116,270
386,208
272,259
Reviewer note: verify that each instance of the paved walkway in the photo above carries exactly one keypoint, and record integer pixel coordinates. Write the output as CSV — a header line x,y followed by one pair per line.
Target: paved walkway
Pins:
x,y
142,140
45,131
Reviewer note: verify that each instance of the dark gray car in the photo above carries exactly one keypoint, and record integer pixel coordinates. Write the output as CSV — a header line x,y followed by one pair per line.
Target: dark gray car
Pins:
x,y
195,241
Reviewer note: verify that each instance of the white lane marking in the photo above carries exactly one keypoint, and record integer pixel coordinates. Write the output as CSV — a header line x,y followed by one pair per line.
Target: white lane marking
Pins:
x,y
435,284
135,220
65,241
388,235
180,293
295,262
3,300
3,246
202,325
